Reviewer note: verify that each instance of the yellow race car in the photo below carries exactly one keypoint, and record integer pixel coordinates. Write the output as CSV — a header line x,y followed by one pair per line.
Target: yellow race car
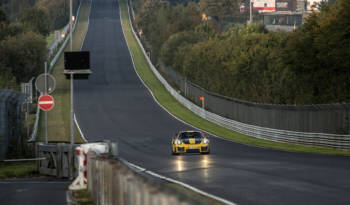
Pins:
x,y
189,142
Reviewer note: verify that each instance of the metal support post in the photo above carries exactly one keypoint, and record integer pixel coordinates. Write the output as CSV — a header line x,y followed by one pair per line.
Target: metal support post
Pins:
x,y
71,76
185,86
71,110
27,118
46,123
70,24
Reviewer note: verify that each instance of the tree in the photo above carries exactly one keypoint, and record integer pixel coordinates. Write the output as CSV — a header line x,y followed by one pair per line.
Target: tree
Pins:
x,y
3,18
37,20
7,80
24,55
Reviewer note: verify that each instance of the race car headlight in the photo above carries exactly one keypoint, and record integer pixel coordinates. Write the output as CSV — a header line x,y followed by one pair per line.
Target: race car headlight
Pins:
x,y
178,142
205,141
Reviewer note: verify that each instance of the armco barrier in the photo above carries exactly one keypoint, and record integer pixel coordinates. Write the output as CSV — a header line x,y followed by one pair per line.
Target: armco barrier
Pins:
x,y
305,138
113,181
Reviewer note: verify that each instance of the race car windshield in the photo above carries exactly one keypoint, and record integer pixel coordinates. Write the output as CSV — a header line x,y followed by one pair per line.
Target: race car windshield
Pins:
x,y
188,135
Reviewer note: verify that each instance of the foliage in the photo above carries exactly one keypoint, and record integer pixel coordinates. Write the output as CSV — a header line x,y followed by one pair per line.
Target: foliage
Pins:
x,y
7,80
15,8
37,20
3,18
166,20
307,66
58,11
24,54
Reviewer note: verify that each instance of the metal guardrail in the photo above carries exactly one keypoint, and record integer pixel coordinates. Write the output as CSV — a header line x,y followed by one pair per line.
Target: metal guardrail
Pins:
x,y
304,138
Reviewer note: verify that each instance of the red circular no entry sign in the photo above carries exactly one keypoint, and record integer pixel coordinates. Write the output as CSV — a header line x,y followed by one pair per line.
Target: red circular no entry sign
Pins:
x,y
46,102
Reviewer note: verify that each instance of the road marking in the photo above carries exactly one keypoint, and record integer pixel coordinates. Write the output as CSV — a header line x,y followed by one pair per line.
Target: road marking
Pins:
x,y
141,169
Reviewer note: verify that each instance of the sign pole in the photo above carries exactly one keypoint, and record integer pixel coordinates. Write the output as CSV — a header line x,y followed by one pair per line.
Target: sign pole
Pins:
x,y
70,24
71,77
72,110
46,123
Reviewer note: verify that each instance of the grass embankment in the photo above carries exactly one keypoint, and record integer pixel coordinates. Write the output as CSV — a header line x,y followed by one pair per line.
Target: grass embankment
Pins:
x,y
50,39
18,170
173,106
82,197
59,116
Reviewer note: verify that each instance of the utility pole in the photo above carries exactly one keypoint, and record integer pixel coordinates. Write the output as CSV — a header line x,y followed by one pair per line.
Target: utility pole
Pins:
x,y
251,3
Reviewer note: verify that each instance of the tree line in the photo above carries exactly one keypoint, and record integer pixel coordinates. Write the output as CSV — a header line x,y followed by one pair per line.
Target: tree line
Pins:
x,y
310,65
23,31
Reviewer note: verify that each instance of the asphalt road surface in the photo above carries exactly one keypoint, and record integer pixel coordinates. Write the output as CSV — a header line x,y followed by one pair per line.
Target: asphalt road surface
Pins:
x,y
114,104
33,191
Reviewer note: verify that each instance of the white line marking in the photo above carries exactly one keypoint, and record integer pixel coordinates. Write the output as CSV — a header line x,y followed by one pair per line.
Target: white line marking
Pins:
x,y
75,118
81,133
181,183
45,102
153,173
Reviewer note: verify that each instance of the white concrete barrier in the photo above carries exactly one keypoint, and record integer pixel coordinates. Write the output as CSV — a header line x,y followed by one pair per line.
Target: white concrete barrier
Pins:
x,y
100,149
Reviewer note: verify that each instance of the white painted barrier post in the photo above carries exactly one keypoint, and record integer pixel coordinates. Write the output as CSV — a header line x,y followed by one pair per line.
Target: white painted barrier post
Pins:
x,y
99,148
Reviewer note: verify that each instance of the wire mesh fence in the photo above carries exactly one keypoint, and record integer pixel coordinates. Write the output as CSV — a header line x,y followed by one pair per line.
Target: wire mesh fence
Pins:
x,y
10,119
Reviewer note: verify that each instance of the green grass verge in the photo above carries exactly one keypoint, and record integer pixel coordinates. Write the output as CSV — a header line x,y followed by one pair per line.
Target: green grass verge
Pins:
x,y
50,39
82,197
59,116
18,170
173,106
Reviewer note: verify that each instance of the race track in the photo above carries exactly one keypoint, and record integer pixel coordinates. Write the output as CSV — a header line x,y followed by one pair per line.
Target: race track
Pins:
x,y
114,104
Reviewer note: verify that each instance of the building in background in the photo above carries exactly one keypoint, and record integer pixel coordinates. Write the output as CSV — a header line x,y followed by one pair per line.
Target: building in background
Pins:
x,y
312,5
287,14
263,6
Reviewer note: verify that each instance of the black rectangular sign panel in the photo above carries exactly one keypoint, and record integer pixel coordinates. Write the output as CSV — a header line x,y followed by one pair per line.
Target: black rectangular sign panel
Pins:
x,y
77,60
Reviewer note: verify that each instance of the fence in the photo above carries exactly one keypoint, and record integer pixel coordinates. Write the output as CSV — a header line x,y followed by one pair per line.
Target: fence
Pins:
x,y
307,125
10,119
60,160
112,181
